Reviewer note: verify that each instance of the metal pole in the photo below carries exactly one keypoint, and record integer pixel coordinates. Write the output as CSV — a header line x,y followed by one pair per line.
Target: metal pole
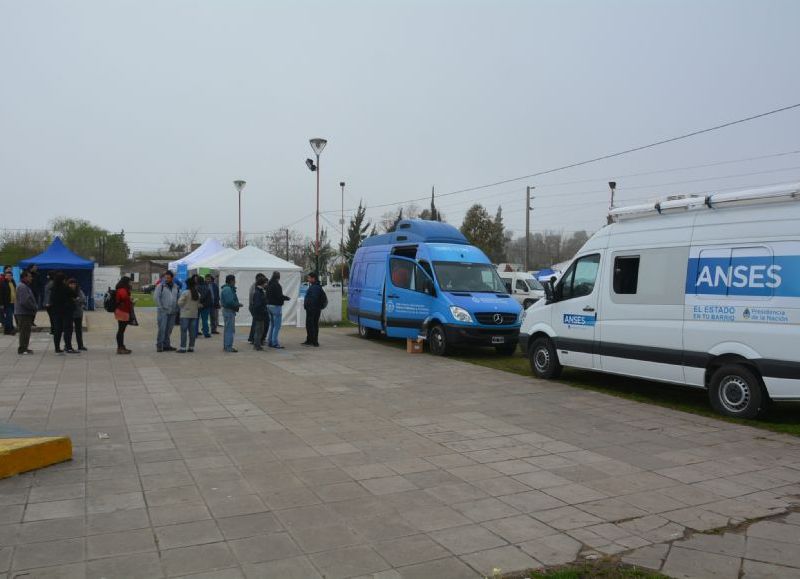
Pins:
x,y
341,243
239,240
613,186
287,244
317,244
527,228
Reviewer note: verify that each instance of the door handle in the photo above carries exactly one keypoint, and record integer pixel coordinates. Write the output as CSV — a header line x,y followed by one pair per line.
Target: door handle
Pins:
x,y
588,309
393,296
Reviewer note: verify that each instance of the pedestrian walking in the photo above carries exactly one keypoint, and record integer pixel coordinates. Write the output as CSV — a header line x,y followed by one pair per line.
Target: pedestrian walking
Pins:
x,y
258,308
211,284
166,298
25,308
230,307
189,304
62,304
123,312
77,312
8,299
260,278
315,301
275,301
206,304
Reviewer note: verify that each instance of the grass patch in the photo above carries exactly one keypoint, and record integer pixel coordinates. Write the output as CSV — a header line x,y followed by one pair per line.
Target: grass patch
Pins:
x,y
781,417
603,568
143,300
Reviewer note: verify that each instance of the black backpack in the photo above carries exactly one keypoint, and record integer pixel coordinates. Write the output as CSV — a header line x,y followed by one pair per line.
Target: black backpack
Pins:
x,y
205,297
323,299
110,300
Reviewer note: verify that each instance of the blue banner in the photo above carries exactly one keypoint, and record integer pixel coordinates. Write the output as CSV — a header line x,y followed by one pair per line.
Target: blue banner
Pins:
x,y
579,320
761,275
182,273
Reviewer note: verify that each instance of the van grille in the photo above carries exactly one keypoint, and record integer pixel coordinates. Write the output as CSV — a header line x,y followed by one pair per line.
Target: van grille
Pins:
x,y
488,318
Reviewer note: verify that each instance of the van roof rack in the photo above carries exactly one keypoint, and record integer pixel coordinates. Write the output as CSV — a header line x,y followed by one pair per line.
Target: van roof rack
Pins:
x,y
681,203
419,231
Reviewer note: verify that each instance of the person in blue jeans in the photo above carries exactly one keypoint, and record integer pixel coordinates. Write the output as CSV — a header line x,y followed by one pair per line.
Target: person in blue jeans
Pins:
x,y
206,303
230,306
275,301
166,298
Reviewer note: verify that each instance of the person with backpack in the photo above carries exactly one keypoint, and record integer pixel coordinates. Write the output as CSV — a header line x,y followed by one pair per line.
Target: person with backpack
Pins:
x,y
189,304
315,301
166,298
206,304
77,312
230,307
275,301
123,309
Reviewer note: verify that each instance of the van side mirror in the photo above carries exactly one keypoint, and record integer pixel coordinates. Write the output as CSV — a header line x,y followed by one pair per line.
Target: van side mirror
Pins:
x,y
550,290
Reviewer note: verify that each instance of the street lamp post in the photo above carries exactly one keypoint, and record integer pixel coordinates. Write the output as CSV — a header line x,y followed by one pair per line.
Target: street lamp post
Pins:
x,y
317,145
239,184
341,227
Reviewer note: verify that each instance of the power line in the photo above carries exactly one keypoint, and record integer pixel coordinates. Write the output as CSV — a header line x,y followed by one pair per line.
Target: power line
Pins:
x,y
601,157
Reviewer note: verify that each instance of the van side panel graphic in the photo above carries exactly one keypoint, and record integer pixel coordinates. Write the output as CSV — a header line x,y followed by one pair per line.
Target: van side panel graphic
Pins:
x,y
763,276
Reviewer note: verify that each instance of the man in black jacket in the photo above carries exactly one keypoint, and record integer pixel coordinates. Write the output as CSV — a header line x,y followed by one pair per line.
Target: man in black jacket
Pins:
x,y
258,309
315,301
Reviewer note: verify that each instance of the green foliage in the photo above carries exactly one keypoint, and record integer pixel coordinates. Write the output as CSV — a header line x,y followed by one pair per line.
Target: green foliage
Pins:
x,y
90,241
356,233
484,232
18,245
326,253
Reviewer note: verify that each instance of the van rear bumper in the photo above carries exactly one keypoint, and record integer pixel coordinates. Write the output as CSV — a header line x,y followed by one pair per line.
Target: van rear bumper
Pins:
x,y
479,336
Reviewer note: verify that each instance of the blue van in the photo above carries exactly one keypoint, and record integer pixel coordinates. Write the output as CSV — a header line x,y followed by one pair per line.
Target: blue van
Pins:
x,y
426,279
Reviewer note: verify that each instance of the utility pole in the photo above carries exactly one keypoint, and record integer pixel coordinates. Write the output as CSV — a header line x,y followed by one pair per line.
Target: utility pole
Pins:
x,y
341,227
287,244
528,210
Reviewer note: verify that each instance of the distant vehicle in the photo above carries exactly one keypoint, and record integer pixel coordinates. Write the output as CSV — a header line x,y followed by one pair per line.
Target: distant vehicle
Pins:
x,y
425,279
148,288
523,286
701,291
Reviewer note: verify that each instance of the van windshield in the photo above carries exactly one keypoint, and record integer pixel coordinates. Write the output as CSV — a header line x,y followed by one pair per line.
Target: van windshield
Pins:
x,y
468,277
534,284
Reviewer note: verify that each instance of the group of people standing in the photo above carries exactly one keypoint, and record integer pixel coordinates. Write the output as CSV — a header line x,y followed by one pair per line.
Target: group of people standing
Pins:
x,y
266,307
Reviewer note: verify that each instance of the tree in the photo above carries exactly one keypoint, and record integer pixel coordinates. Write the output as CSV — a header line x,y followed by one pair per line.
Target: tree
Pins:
x,y
390,219
91,241
18,245
547,248
286,243
432,214
182,242
326,253
484,232
356,233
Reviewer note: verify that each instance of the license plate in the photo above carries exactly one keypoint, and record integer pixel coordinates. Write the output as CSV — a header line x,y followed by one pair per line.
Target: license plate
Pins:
x,y
498,340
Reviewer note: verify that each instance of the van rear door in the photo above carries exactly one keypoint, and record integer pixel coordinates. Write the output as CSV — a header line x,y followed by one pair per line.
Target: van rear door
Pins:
x,y
575,312
408,298
370,313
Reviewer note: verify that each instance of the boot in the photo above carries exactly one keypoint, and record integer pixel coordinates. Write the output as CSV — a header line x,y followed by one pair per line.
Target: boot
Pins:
x,y
123,350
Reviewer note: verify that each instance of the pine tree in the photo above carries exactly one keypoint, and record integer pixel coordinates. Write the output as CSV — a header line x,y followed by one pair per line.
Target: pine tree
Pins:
x,y
356,233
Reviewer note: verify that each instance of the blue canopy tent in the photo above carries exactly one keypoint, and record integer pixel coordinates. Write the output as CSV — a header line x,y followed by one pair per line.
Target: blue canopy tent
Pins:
x,y
58,258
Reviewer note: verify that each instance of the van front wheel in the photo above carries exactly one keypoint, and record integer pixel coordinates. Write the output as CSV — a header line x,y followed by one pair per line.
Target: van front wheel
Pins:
x,y
544,359
366,332
437,341
736,391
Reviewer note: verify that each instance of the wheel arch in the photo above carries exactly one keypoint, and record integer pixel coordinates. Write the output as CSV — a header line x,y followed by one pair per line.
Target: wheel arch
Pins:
x,y
718,361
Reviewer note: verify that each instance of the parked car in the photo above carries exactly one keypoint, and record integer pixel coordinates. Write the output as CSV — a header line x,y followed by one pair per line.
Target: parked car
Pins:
x,y
426,279
147,288
523,286
701,291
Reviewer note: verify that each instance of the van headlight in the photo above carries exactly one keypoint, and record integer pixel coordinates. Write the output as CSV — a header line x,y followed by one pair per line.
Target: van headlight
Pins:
x,y
521,316
460,314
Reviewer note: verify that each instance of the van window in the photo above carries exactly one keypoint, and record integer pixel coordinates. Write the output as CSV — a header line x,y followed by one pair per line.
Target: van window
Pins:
x,y
580,277
374,276
520,286
402,273
626,274
427,268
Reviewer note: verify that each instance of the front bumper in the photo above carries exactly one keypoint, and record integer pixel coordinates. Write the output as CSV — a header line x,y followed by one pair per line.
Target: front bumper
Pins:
x,y
480,336
523,342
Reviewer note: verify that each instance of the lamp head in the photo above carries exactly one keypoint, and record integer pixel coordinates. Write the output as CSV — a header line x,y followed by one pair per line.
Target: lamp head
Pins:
x,y
239,184
612,185
318,144
341,183
310,164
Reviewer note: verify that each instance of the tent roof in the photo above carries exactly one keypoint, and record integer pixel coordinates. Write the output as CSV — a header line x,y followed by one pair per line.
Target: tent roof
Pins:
x,y
207,249
212,261
57,256
251,257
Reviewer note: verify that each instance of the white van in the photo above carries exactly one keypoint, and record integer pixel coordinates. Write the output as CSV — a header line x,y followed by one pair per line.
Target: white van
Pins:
x,y
522,286
702,291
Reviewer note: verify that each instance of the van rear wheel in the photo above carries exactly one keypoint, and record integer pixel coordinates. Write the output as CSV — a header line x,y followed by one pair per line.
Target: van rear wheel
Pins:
x,y
437,341
736,391
544,359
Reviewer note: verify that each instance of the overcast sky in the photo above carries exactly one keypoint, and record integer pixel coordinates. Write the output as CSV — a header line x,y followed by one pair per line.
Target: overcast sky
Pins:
x,y
139,114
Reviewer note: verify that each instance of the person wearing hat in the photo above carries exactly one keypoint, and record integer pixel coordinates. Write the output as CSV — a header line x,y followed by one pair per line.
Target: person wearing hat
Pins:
x,y
315,301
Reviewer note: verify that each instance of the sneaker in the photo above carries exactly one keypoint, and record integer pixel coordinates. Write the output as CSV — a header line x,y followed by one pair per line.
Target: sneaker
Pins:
x,y
25,352
71,351
59,351
180,351
316,345
190,350
206,335
123,351
169,348
82,349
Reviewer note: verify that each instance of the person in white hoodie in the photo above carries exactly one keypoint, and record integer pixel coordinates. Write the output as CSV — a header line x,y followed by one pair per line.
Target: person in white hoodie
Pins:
x,y
166,298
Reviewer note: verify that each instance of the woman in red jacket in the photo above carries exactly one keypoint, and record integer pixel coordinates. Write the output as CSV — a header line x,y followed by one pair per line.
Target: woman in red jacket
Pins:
x,y
123,312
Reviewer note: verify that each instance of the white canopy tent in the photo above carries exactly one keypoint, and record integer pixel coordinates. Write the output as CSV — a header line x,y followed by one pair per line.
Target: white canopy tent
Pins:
x,y
209,248
245,264
211,262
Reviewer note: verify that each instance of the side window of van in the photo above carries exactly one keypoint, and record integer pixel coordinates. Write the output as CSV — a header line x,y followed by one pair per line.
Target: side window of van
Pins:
x,y
427,268
402,274
626,274
520,286
580,277
374,278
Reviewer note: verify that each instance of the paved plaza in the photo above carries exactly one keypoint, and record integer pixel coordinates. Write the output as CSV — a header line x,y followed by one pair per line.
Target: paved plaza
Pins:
x,y
360,460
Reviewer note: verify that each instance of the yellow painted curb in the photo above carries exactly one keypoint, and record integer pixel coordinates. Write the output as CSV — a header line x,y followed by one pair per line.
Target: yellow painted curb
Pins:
x,y
19,455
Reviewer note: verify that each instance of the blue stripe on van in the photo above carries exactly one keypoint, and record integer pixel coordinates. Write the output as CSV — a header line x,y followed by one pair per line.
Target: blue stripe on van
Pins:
x,y
763,276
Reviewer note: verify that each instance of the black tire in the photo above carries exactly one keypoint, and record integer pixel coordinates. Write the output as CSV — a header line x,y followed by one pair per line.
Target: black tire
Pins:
x,y
544,359
365,332
437,341
736,391
506,349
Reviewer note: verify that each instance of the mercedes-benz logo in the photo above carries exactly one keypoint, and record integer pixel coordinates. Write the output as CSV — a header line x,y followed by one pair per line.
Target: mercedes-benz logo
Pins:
x,y
498,318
